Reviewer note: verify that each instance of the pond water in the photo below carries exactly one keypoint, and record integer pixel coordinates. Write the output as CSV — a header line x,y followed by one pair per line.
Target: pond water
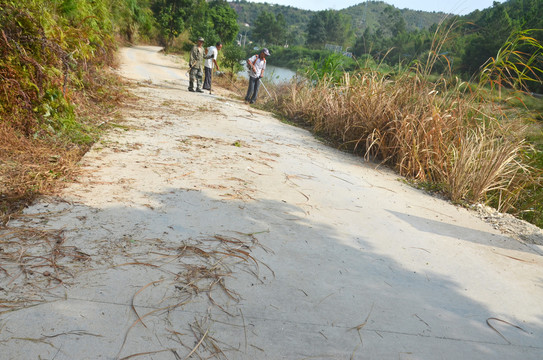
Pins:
x,y
273,74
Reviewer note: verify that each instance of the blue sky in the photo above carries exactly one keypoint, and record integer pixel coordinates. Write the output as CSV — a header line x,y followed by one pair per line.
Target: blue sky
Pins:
x,y
461,7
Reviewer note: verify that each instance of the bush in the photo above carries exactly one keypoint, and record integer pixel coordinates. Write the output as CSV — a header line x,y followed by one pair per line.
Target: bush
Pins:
x,y
232,57
50,56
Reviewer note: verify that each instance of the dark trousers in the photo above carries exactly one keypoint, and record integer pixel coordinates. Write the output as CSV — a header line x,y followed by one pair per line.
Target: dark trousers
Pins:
x,y
252,91
207,79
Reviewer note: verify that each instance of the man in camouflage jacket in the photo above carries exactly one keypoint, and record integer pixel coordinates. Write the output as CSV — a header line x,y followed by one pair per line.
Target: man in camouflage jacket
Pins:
x,y
195,63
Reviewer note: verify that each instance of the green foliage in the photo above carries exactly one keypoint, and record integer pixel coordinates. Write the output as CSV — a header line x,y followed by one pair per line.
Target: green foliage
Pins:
x,y
171,16
42,54
514,68
296,57
135,19
269,29
375,16
214,21
366,15
330,68
224,20
232,56
486,32
328,26
295,19
395,20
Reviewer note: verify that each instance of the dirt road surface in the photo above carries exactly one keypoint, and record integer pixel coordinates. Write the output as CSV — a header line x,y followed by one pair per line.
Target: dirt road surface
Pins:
x,y
202,228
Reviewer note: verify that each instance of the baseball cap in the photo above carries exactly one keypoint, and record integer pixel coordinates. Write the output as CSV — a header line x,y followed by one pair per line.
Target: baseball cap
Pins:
x,y
265,51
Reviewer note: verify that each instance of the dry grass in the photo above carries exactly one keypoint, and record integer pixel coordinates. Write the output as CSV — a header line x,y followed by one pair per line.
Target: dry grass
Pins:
x,y
196,269
435,132
34,261
233,83
29,167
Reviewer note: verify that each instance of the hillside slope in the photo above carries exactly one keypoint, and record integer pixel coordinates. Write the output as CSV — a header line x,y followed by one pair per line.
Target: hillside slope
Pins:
x,y
364,14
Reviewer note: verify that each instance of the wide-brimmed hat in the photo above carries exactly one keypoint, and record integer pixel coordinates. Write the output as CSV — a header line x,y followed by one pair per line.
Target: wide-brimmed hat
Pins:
x,y
265,51
201,39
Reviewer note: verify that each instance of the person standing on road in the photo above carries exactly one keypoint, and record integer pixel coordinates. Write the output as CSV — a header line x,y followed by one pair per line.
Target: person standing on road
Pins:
x,y
195,63
211,60
256,65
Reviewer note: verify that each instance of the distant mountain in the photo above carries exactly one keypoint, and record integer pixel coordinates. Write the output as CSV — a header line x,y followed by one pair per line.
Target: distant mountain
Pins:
x,y
249,11
372,14
366,14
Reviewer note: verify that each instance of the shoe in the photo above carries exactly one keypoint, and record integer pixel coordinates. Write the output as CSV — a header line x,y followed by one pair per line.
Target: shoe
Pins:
x,y
251,102
191,90
206,88
199,90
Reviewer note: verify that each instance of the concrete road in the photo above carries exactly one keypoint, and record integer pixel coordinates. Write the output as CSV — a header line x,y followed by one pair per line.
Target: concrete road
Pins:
x,y
203,228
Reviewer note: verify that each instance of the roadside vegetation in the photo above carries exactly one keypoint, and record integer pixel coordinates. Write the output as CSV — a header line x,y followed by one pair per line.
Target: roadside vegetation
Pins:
x,y
57,88
468,141
445,100
52,61
419,96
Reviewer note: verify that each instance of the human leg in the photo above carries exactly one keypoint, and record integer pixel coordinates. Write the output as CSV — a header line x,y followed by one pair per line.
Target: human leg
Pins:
x,y
199,77
250,89
192,78
255,93
207,78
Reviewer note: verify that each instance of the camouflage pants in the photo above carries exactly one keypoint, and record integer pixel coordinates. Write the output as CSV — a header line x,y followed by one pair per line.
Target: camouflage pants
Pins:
x,y
195,75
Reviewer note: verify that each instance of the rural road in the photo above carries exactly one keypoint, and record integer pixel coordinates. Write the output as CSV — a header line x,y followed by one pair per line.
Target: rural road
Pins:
x,y
202,228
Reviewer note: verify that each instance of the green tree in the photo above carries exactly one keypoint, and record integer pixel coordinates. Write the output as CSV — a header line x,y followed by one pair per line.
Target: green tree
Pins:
x,y
270,29
262,28
279,30
224,20
394,19
328,26
232,56
135,17
170,16
214,21
316,30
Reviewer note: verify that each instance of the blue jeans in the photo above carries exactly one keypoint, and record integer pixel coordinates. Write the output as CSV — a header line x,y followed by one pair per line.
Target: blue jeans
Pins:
x,y
252,91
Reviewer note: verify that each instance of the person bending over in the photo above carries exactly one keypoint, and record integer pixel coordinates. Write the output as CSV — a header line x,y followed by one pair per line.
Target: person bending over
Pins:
x,y
256,65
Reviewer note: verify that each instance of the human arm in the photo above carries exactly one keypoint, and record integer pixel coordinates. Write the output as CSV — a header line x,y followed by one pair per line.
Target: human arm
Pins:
x,y
262,70
193,57
252,63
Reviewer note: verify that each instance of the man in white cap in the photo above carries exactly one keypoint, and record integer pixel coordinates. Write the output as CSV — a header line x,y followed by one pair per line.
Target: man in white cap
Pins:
x,y
256,65
195,63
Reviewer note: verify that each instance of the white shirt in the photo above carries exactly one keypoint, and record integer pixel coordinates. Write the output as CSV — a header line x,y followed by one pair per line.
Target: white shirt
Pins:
x,y
209,62
260,65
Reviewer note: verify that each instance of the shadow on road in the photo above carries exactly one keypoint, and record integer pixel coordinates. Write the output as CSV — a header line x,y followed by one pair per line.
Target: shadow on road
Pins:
x,y
310,295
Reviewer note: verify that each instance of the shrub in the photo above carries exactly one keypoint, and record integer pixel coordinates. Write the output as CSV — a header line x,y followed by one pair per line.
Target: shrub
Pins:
x,y
440,132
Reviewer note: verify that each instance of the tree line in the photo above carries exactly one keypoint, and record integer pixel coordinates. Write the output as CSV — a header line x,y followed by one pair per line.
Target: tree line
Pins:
x,y
381,32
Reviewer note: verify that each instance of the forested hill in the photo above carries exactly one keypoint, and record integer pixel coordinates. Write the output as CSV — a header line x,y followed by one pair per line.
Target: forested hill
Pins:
x,y
372,13
249,11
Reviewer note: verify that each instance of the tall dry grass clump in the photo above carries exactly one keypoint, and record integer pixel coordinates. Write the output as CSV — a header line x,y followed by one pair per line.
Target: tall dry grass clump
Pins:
x,y
441,132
